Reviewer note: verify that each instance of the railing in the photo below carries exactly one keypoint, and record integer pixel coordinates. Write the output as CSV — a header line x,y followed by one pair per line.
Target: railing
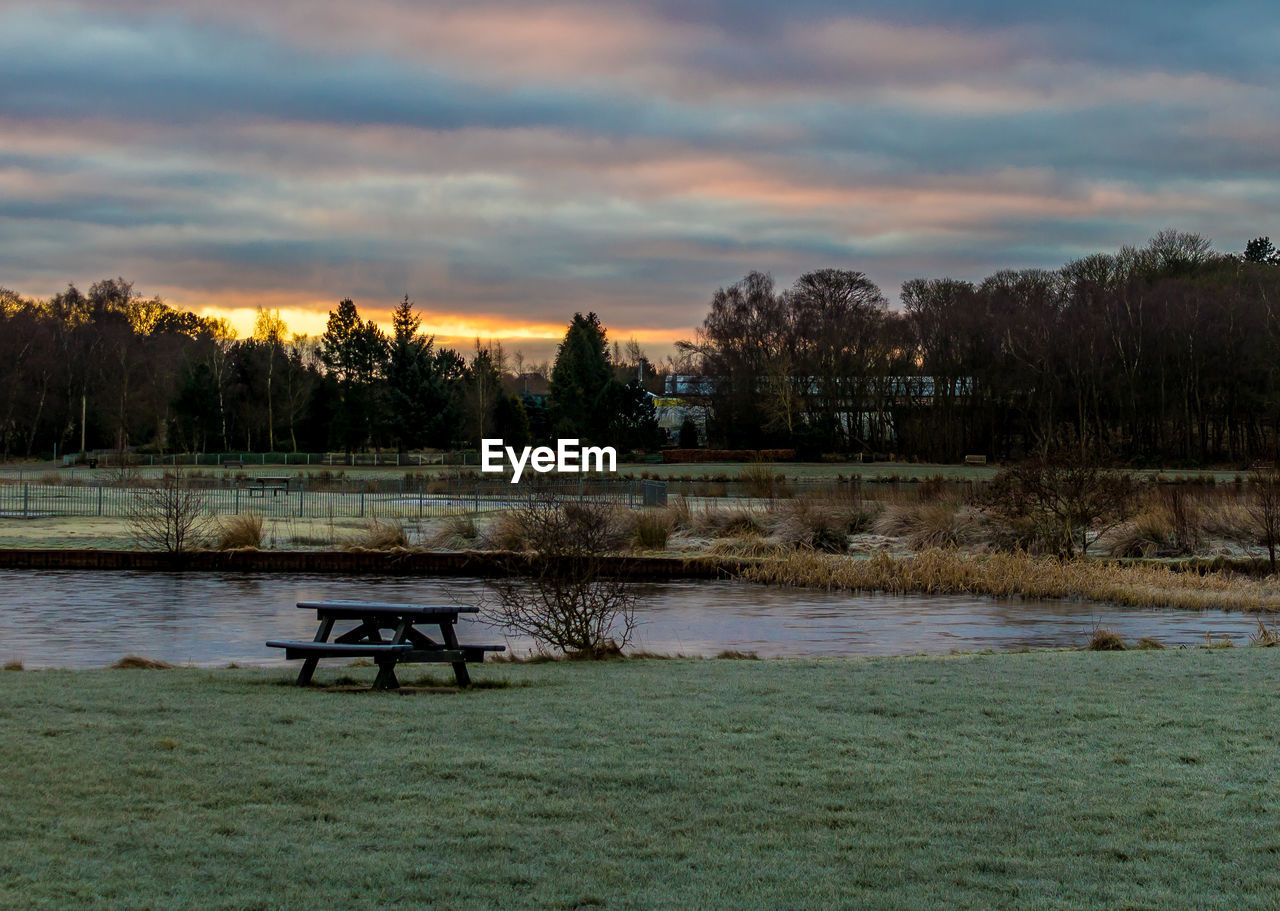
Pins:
x,y
28,500
420,497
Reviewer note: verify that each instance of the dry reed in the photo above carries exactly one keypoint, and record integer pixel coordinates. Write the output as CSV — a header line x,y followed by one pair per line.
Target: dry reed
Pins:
x,y
1011,575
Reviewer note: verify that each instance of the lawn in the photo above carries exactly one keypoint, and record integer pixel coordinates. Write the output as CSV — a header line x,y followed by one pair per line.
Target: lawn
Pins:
x,y
1041,780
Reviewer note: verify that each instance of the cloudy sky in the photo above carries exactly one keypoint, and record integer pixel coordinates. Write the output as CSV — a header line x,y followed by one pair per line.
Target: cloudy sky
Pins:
x,y
507,163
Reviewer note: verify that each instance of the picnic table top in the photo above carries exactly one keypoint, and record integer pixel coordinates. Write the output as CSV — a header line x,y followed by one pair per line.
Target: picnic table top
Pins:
x,y
364,608
263,478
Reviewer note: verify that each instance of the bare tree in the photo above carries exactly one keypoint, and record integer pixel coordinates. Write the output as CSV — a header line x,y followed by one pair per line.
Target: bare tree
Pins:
x,y
557,591
1068,500
170,516
1264,509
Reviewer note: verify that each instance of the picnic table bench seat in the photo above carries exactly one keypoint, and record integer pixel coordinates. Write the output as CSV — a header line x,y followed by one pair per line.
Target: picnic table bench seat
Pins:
x,y
303,649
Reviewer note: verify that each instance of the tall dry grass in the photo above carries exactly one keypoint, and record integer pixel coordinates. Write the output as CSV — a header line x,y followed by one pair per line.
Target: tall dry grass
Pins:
x,y
819,523
651,528
930,523
729,521
457,531
1009,575
243,530
380,534
761,481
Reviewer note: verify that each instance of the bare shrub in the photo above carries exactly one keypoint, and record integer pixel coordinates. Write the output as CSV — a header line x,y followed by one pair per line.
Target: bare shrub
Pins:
x,y
243,530
1264,508
13,665
1068,501
1148,644
170,516
558,592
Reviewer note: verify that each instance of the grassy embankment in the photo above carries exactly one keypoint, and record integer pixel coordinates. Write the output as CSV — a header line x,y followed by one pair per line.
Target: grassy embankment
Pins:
x,y
1051,780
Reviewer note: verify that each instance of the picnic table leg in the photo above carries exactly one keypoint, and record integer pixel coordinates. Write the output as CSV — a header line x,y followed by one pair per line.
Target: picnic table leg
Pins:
x,y
386,679
460,675
309,664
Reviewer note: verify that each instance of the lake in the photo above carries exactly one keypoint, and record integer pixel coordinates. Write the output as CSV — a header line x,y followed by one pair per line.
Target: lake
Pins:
x,y
219,618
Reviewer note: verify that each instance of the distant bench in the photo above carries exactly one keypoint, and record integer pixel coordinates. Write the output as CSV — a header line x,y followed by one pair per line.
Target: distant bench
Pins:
x,y
975,460
233,463
259,485
406,644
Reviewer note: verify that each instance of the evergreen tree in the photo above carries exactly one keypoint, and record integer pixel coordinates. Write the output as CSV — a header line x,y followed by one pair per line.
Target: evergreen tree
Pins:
x,y
580,381
354,350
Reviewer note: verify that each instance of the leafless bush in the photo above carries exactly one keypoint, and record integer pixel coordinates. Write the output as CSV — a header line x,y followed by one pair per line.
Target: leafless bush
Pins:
x,y
1264,508
170,516
1067,500
558,592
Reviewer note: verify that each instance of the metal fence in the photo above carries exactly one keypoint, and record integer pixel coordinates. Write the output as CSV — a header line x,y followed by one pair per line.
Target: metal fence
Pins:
x,y
415,496
388,458
39,500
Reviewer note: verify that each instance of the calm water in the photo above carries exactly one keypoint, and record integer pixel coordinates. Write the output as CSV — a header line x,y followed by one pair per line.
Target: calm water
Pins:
x,y
88,619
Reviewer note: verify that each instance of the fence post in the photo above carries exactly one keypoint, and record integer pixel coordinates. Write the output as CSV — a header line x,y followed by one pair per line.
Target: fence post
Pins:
x,y
237,512
477,499
362,504
24,501
99,500
301,493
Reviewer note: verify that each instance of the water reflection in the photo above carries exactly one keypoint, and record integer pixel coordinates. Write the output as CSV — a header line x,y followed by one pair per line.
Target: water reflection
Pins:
x,y
89,619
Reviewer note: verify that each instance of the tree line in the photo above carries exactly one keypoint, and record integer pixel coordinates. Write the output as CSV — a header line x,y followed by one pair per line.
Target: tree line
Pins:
x,y
1168,353
111,369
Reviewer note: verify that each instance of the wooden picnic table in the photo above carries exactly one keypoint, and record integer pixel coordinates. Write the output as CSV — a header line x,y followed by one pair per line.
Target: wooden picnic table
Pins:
x,y
260,484
405,644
